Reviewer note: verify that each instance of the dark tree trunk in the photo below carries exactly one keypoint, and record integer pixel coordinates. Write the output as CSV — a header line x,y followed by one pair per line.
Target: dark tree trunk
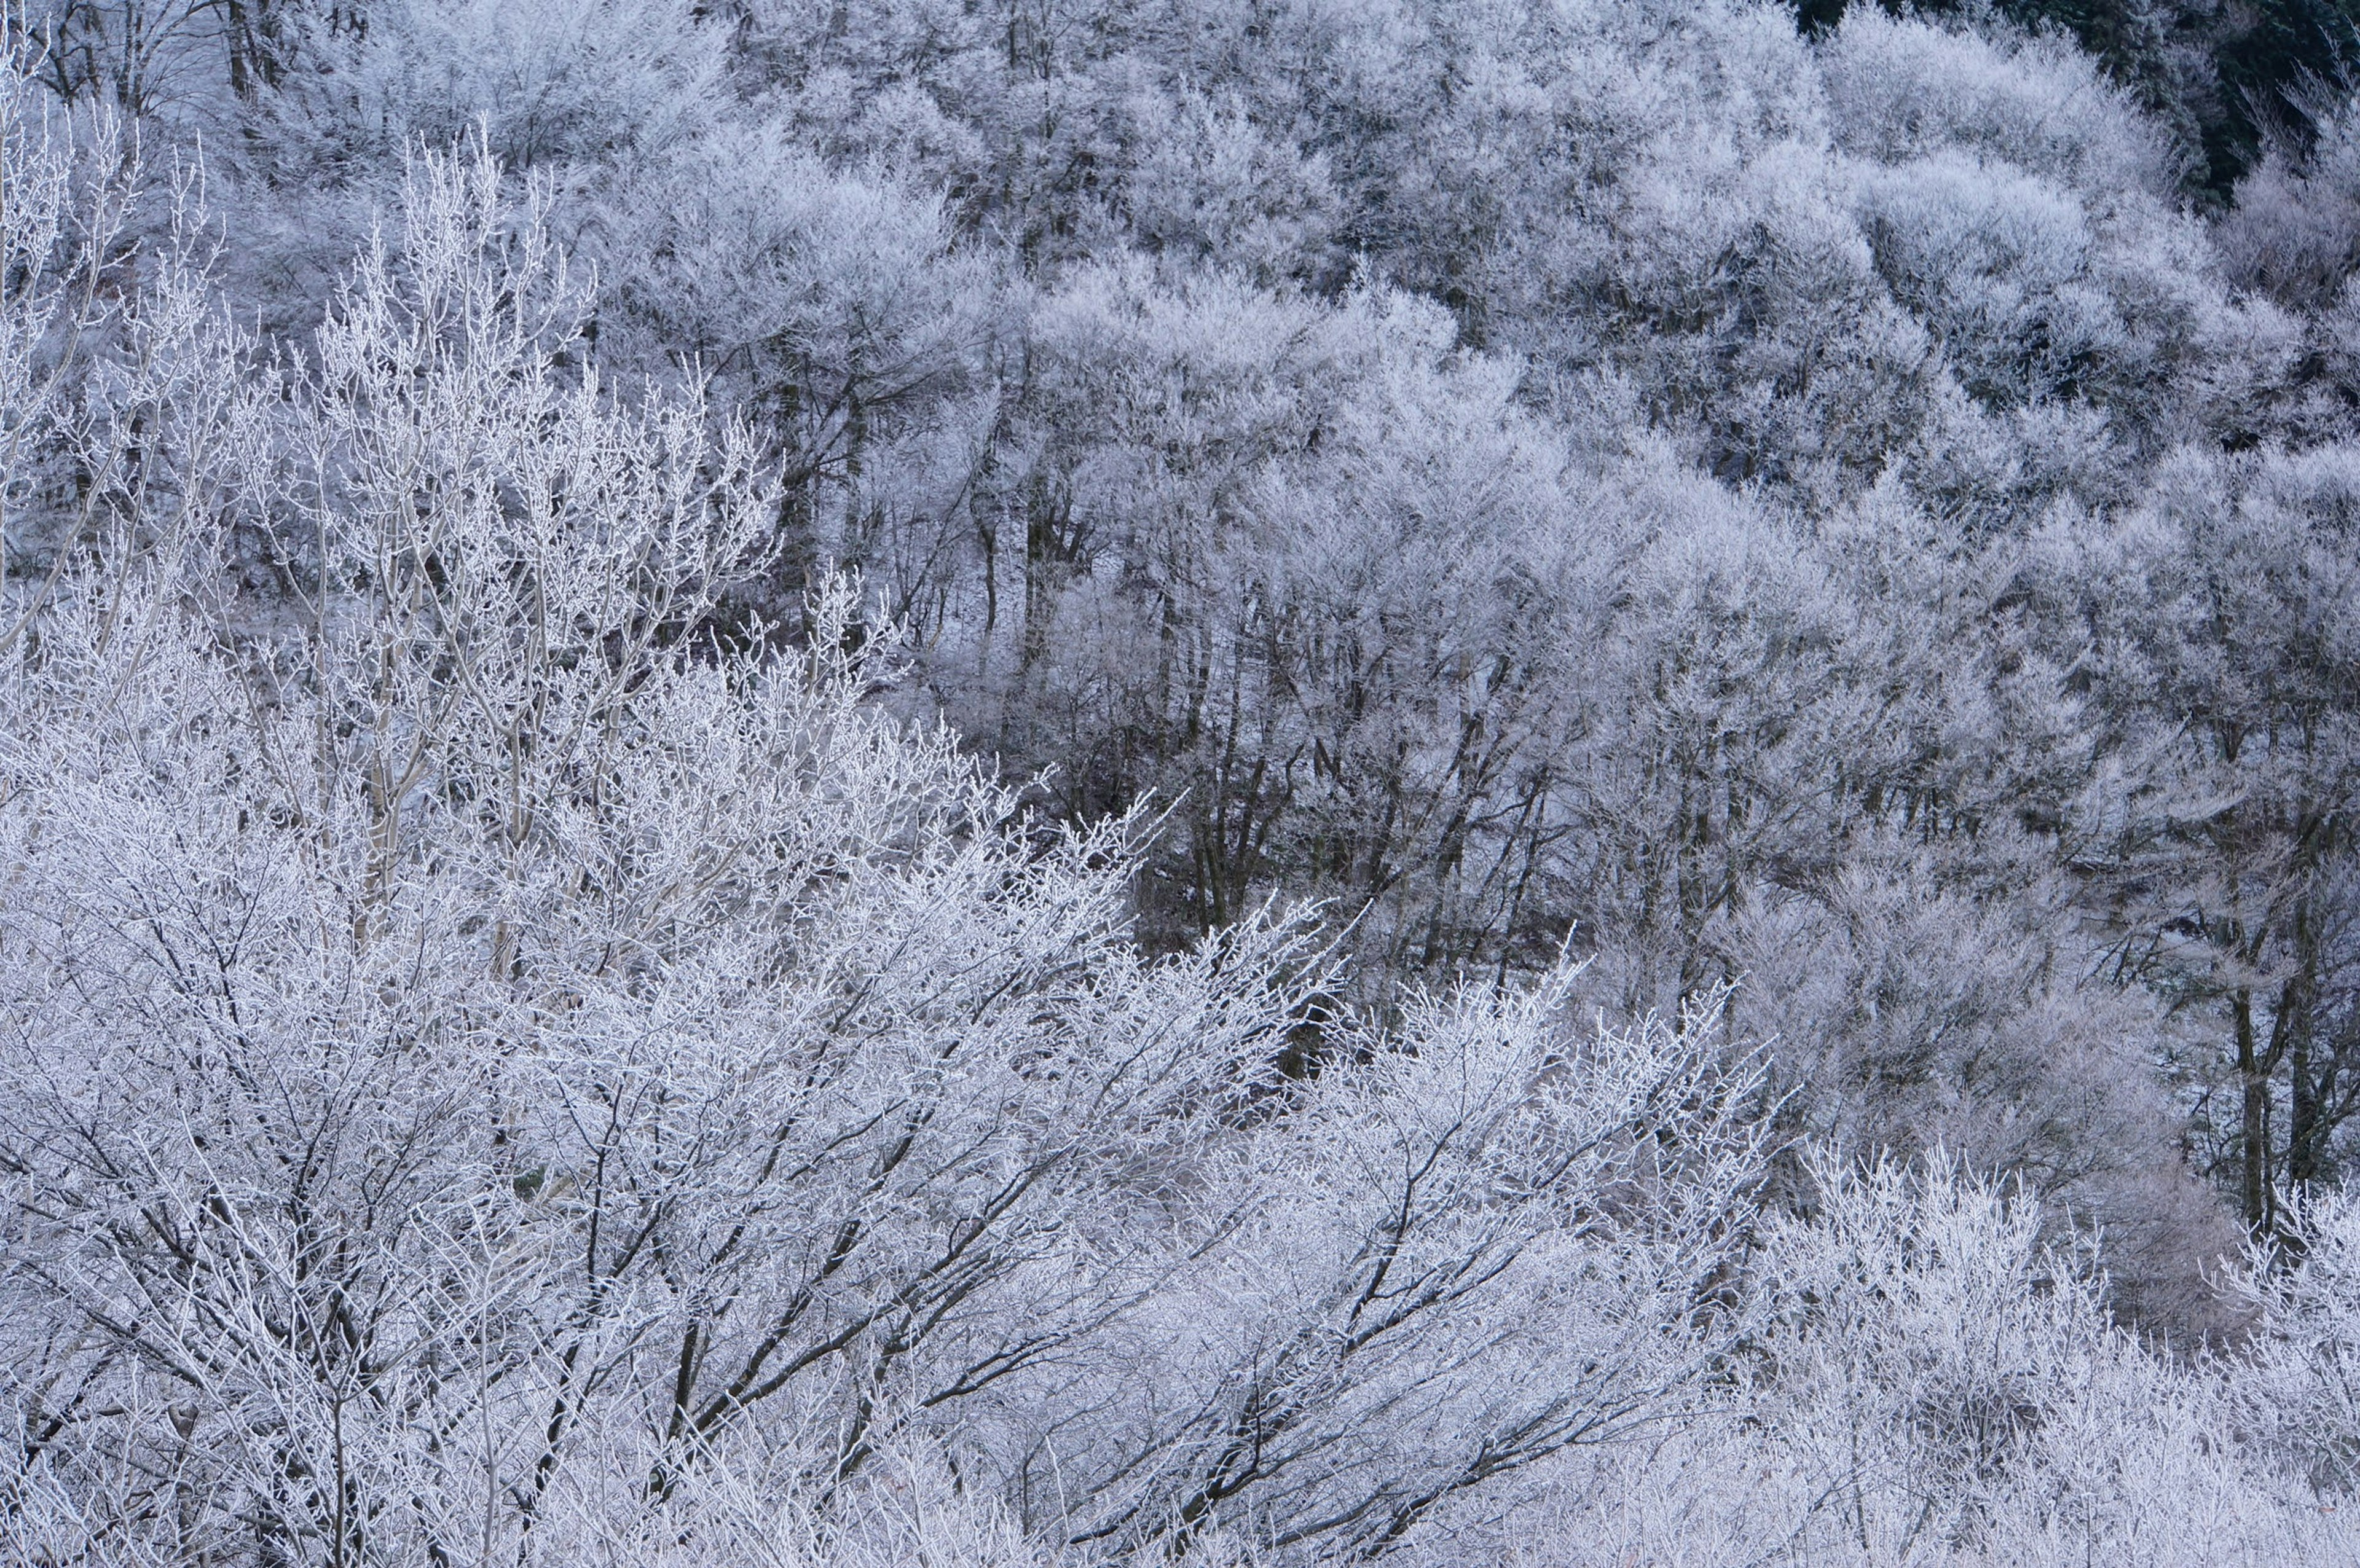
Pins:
x,y
2255,1190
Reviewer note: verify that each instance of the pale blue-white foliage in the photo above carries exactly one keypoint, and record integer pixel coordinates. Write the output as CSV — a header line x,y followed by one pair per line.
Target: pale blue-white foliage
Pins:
x,y
857,782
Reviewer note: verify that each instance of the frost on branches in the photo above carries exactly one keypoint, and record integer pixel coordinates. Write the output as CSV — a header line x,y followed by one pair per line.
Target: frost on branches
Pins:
x,y
499,1049
1091,783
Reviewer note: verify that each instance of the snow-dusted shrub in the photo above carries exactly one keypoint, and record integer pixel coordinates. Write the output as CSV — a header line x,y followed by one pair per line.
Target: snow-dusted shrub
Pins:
x,y
1931,1383
1489,1242
2302,1387
498,1054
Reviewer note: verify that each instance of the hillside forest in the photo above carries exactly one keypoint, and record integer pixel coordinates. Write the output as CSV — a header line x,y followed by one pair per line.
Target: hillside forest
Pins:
x,y
1226,783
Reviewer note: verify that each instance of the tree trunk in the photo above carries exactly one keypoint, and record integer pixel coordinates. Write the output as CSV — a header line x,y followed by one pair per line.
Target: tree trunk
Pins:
x,y
2253,1073
2291,1036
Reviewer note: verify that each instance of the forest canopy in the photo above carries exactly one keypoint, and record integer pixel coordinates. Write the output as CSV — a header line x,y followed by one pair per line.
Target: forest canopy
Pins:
x,y
1071,782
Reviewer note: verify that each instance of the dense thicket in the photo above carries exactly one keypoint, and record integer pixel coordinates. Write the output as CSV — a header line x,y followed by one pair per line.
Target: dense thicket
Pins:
x,y
1092,779
2224,82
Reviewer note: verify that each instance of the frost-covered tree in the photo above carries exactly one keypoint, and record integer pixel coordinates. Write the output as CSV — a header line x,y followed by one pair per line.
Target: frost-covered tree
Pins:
x,y
2217,626
1935,1383
1083,779
487,1042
